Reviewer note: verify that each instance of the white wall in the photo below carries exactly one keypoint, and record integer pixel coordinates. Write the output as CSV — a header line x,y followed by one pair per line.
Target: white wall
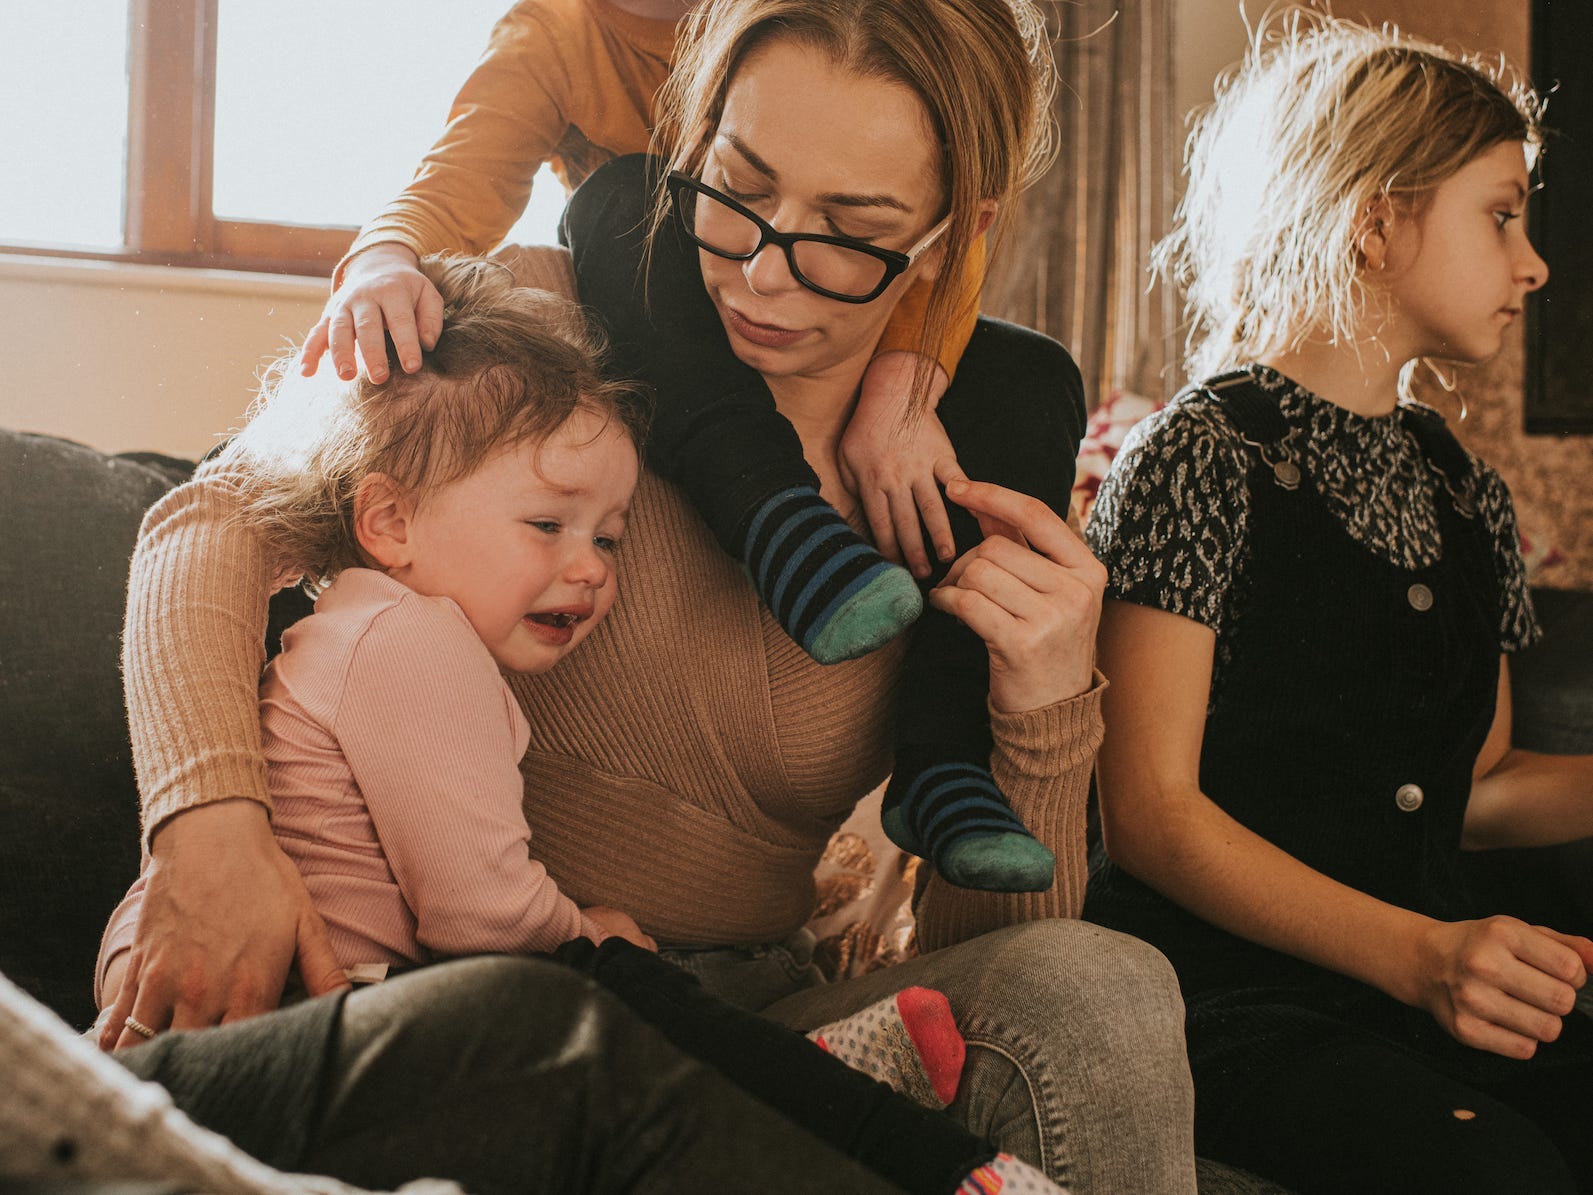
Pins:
x,y
140,357
1208,36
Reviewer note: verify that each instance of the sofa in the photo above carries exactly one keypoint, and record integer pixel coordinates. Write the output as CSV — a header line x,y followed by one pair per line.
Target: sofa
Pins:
x,y
68,801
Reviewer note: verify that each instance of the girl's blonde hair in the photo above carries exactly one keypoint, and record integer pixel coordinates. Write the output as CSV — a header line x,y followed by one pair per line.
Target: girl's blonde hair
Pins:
x,y
982,68
1323,122
512,364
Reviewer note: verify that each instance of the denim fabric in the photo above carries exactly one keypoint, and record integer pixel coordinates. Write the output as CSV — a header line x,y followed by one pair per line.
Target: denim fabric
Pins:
x,y
751,977
1075,1042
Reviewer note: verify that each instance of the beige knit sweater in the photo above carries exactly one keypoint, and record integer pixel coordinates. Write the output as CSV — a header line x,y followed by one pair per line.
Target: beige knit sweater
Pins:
x,y
688,764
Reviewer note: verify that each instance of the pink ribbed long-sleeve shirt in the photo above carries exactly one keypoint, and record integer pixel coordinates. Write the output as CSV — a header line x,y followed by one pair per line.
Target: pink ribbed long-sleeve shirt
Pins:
x,y
392,746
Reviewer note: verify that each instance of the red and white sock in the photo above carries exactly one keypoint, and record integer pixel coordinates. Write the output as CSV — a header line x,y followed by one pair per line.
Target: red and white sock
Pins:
x,y
908,1040
1006,1175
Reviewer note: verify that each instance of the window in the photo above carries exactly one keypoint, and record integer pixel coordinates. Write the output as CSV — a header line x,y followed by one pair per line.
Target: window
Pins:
x,y
228,132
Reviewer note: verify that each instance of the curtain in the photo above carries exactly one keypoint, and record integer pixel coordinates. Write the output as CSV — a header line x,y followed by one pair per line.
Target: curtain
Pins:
x,y
1074,259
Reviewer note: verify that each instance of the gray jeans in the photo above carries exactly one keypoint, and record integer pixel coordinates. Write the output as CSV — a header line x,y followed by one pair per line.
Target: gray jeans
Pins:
x,y
1075,1041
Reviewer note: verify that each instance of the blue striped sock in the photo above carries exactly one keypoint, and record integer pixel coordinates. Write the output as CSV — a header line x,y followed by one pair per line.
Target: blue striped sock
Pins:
x,y
952,813
833,593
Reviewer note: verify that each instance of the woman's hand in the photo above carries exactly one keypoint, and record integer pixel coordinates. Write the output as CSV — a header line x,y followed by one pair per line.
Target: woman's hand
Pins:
x,y
894,459
616,924
224,914
383,293
1500,984
1032,591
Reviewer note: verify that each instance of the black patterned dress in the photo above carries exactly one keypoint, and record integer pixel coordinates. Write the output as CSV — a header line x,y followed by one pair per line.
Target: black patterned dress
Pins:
x,y
1362,575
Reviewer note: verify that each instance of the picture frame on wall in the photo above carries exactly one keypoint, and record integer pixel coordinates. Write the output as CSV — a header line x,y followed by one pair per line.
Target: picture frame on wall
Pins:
x,y
1559,382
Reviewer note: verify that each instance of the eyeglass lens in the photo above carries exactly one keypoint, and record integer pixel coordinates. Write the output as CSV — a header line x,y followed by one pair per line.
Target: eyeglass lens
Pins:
x,y
828,267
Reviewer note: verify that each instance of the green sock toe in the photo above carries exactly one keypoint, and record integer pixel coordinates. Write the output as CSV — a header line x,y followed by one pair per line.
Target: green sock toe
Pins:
x,y
1001,862
870,618
894,822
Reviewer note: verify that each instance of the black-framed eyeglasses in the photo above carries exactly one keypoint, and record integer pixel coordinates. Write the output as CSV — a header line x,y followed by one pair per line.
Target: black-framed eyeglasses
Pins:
x,y
840,268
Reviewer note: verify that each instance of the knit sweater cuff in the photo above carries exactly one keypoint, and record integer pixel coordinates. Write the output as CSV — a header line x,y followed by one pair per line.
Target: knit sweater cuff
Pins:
x,y
224,780
1061,735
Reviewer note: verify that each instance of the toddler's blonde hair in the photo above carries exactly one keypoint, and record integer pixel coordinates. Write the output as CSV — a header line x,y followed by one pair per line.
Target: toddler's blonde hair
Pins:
x,y
1323,121
512,364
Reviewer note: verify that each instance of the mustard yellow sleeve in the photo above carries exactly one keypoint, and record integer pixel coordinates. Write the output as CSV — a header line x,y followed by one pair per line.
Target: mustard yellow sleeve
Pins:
x,y
507,120
905,331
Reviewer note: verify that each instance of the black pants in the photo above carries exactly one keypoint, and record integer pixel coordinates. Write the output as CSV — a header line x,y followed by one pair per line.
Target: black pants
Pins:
x,y
910,1146
1014,414
509,1074
1360,1115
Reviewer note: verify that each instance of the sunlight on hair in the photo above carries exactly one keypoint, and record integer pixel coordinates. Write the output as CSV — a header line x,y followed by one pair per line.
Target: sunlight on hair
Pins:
x,y
1322,123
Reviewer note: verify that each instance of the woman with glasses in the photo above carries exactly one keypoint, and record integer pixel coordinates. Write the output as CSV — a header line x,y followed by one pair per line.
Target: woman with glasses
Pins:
x,y
692,763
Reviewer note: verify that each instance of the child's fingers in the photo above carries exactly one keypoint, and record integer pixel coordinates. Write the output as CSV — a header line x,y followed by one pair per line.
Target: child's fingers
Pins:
x,y
1525,1017
909,537
315,345
1546,955
932,511
877,509
340,335
1580,946
399,317
429,316
370,334
947,470
1483,1034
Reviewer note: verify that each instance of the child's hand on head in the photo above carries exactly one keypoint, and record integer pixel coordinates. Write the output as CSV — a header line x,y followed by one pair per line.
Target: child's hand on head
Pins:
x,y
616,924
893,464
383,293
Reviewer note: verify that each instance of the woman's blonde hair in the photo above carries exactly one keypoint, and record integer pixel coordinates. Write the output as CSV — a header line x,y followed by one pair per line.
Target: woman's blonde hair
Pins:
x,y
982,68
513,364
1322,123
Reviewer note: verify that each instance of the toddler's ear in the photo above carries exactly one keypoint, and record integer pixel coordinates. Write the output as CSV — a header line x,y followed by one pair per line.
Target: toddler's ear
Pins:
x,y
384,516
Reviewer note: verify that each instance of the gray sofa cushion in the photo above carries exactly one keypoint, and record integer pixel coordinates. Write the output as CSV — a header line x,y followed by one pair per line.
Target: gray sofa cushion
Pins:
x,y
68,805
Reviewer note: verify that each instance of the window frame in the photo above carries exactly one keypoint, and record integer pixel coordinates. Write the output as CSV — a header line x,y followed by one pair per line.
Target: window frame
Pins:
x,y
168,216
